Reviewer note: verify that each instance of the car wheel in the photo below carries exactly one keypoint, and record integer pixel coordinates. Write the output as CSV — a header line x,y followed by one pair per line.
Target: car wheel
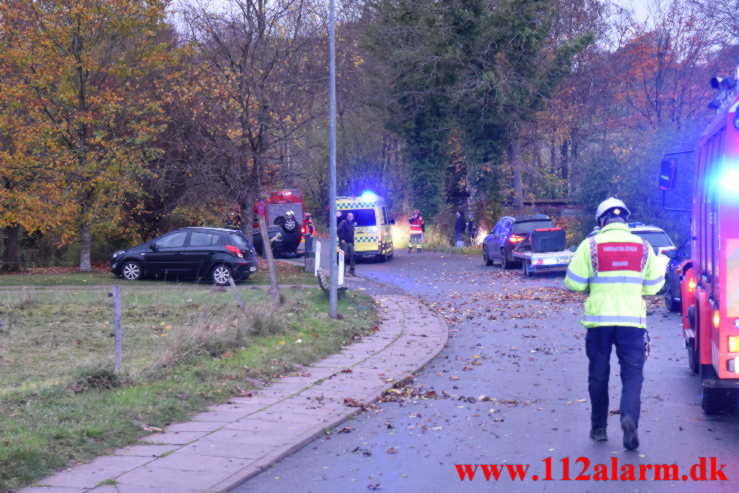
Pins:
x,y
670,303
504,262
131,271
526,268
485,257
289,224
692,357
221,274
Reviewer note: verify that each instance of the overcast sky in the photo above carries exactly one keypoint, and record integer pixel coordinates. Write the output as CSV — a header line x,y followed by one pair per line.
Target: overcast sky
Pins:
x,y
638,6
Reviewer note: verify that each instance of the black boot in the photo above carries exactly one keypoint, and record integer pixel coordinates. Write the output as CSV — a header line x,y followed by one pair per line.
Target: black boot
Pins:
x,y
598,434
631,438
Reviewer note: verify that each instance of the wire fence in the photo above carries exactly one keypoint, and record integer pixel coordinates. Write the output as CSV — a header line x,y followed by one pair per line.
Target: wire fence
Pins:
x,y
50,336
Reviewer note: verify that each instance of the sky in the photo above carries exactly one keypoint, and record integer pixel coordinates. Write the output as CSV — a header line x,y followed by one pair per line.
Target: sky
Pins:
x,y
638,6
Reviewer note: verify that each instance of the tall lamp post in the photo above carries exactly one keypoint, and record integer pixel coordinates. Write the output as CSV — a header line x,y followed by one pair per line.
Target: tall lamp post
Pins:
x,y
333,271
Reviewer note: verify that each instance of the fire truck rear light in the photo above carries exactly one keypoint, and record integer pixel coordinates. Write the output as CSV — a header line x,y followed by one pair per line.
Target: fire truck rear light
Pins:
x,y
691,286
734,344
716,319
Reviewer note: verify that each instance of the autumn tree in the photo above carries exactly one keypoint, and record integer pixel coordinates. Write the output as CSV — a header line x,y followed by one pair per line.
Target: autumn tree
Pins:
x,y
261,73
29,183
83,65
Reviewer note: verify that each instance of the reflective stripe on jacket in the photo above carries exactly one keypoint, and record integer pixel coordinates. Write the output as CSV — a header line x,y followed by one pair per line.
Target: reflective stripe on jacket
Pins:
x,y
416,225
617,268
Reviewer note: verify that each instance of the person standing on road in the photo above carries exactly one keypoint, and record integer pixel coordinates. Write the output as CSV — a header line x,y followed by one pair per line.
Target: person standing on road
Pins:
x,y
309,229
616,268
345,232
471,234
459,228
417,229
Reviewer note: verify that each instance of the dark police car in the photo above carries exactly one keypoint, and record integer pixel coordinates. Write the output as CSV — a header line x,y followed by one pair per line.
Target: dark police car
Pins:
x,y
195,253
507,234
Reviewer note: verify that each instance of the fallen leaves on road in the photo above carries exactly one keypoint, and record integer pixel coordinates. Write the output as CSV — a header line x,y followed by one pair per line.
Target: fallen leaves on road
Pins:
x,y
363,451
349,402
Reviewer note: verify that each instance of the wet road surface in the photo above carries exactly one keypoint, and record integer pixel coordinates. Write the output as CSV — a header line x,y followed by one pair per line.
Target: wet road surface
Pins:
x,y
511,389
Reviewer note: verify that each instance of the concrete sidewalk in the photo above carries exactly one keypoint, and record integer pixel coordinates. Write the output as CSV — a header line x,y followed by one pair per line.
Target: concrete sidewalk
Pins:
x,y
232,442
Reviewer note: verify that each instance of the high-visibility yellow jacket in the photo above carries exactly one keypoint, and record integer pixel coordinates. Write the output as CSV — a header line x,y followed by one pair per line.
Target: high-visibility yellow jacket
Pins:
x,y
617,268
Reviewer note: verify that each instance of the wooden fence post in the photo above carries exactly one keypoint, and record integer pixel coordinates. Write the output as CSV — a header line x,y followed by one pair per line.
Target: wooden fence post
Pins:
x,y
118,330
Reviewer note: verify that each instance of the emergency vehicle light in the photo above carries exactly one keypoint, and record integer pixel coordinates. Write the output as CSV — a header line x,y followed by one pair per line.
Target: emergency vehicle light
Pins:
x,y
734,344
730,178
691,285
716,319
368,195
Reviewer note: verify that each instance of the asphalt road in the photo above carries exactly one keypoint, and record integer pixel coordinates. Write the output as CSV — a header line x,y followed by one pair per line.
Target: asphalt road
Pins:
x,y
518,343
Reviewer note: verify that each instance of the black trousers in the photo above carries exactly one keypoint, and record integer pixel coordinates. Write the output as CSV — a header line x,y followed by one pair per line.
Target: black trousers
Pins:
x,y
348,254
630,345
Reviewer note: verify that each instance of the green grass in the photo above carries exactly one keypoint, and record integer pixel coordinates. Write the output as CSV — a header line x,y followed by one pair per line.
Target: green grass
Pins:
x,y
433,241
184,348
288,274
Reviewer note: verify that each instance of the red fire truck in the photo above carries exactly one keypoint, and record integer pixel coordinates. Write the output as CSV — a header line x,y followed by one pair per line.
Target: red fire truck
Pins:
x,y
710,278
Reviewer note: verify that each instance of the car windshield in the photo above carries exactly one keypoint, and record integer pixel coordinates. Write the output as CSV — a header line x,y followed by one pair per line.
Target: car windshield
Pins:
x,y
528,226
362,217
657,239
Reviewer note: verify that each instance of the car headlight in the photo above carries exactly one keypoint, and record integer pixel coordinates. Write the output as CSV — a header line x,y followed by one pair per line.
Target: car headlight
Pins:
x,y
116,254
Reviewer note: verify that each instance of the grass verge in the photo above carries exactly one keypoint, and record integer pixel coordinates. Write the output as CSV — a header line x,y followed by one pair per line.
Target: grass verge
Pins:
x,y
71,276
184,348
433,241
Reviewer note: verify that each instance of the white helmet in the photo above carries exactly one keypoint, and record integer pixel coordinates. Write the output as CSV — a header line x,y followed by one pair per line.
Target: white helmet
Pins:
x,y
612,204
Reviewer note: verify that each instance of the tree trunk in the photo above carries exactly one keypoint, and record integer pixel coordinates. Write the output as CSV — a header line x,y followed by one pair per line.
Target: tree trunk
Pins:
x,y
267,245
246,211
514,154
11,259
565,160
85,247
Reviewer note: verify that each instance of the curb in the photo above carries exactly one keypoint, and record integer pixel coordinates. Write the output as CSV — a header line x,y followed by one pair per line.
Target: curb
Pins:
x,y
371,396
249,434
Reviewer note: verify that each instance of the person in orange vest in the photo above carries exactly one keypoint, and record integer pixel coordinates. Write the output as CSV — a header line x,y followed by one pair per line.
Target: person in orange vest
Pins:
x,y
308,231
417,229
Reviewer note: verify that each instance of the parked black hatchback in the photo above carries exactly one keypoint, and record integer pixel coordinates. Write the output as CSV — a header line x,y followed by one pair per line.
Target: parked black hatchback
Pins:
x,y
189,253
507,234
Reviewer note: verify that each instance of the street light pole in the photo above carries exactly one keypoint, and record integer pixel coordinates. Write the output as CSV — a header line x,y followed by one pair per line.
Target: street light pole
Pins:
x,y
333,272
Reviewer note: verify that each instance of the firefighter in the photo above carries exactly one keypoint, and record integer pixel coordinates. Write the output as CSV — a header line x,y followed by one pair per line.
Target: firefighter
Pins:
x,y
309,230
616,268
417,229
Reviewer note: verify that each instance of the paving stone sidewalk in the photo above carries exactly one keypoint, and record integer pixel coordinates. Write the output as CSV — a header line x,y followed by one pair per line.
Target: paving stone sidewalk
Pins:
x,y
232,442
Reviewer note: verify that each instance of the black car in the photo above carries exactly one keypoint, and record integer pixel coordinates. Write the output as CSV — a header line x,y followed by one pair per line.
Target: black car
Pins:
x,y
673,273
195,253
284,236
508,232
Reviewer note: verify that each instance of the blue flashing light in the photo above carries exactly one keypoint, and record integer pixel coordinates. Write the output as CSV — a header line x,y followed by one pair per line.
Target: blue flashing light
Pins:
x,y
730,179
635,224
368,195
